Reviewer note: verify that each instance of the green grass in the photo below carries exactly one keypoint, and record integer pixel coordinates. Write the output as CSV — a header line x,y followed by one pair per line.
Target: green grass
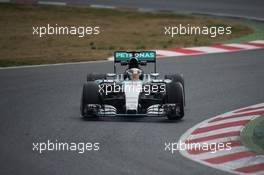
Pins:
x,y
252,136
257,34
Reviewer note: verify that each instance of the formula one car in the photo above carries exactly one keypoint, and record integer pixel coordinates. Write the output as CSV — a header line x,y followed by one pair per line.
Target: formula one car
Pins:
x,y
133,92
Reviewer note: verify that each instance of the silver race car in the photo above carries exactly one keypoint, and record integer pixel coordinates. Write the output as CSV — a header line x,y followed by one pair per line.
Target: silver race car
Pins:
x,y
133,92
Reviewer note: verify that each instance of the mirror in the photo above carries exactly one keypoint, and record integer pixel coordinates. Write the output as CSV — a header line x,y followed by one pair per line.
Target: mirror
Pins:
x,y
111,75
154,75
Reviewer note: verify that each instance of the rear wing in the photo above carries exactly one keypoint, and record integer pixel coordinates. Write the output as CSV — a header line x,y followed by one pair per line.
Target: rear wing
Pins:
x,y
148,56
142,56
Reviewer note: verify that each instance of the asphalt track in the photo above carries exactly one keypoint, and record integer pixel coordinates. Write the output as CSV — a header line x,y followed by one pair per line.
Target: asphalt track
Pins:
x,y
42,103
243,8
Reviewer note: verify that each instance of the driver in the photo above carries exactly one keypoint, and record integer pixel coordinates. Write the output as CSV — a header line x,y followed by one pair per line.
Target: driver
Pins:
x,y
133,71
134,74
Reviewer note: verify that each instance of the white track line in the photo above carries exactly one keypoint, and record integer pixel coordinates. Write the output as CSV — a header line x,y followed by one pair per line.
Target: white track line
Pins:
x,y
51,3
257,42
169,53
217,130
209,49
194,138
214,132
231,120
228,15
145,10
102,6
243,46
244,161
255,106
224,139
209,155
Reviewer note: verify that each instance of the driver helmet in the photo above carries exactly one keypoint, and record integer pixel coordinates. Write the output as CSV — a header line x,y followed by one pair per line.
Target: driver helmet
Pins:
x,y
134,74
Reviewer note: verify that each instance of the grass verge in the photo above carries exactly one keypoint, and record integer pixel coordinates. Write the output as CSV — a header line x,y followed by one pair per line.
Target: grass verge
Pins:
x,y
252,136
258,33
120,30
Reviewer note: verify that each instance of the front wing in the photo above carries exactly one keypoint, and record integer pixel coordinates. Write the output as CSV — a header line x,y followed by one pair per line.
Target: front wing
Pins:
x,y
157,110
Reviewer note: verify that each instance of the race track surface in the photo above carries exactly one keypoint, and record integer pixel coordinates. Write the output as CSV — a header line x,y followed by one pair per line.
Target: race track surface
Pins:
x,y
42,103
244,8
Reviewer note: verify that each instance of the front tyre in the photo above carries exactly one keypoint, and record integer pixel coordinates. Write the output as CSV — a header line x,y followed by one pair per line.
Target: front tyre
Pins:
x,y
177,78
175,95
90,95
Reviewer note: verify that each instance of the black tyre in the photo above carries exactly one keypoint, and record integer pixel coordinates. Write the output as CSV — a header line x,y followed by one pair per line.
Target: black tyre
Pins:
x,y
90,95
177,78
175,95
94,76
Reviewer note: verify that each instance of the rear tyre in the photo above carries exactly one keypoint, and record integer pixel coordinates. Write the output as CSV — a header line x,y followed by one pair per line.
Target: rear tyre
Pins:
x,y
90,95
175,95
